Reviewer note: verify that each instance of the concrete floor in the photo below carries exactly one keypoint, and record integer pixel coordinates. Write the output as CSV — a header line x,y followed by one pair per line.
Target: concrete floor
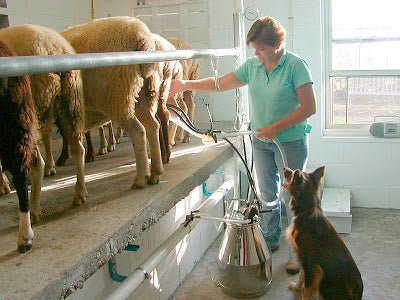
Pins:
x,y
374,244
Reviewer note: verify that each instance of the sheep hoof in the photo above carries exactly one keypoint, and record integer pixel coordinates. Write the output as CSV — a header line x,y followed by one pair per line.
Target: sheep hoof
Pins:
x,y
111,148
62,160
186,139
164,158
50,172
25,241
78,199
140,183
25,247
5,190
35,217
154,179
177,142
103,151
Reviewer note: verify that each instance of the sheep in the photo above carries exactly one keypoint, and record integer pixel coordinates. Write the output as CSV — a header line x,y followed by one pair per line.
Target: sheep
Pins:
x,y
147,100
168,70
165,71
56,95
90,153
191,69
18,149
4,183
111,93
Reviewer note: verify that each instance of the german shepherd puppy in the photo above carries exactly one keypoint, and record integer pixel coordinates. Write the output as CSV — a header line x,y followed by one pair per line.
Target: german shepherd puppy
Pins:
x,y
327,269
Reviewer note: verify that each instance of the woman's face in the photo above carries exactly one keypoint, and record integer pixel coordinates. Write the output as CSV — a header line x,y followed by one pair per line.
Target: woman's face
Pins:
x,y
263,51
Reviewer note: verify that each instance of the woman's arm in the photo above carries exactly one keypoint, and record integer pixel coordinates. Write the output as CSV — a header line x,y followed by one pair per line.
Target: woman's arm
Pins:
x,y
305,94
226,82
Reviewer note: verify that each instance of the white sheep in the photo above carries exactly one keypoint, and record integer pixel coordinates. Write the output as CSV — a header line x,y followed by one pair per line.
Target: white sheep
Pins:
x,y
56,95
167,70
191,69
111,93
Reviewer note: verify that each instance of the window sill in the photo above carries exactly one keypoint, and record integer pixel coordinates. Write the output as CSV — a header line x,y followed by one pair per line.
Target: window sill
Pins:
x,y
358,139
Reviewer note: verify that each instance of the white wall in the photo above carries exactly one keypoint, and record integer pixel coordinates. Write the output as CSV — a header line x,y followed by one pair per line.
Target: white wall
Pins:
x,y
56,14
367,166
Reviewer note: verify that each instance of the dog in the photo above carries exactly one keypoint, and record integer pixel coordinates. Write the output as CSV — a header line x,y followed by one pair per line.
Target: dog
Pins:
x,y
327,269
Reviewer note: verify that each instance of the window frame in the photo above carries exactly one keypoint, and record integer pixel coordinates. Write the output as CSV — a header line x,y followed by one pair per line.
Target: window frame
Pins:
x,y
330,129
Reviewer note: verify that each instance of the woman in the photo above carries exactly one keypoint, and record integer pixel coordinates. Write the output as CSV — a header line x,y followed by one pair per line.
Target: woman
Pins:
x,y
282,98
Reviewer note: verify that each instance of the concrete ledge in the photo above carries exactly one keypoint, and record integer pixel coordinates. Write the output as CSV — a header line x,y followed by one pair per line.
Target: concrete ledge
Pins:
x,y
71,243
336,205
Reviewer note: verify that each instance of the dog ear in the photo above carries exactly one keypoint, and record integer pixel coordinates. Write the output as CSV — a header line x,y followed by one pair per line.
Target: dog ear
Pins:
x,y
318,173
288,174
297,178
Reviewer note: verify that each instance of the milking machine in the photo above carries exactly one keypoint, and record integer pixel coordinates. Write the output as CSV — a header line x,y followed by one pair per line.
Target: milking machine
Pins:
x,y
244,260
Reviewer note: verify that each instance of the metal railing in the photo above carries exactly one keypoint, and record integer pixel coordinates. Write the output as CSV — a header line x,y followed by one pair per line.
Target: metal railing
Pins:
x,y
21,65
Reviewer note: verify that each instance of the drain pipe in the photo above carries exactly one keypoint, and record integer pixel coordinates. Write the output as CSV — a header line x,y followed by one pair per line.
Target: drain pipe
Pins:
x,y
141,273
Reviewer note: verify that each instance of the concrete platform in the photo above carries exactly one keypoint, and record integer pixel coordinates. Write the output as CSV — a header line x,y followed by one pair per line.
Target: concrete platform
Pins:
x,y
71,243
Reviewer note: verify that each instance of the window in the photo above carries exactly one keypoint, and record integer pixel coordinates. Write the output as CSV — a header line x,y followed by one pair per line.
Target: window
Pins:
x,y
363,63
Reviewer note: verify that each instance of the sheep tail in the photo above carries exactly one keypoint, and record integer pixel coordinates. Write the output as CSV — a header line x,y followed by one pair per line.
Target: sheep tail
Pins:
x,y
146,44
72,108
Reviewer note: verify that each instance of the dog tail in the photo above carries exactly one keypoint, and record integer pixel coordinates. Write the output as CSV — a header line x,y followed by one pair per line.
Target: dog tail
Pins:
x,y
357,290
350,293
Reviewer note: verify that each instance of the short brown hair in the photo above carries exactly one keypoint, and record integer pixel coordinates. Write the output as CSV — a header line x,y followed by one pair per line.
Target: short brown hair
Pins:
x,y
266,30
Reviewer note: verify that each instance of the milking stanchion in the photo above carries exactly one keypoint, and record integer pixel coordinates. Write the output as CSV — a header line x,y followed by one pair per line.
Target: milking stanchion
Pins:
x,y
244,260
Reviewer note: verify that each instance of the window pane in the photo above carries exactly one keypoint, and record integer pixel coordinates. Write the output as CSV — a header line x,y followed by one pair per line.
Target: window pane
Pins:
x,y
365,34
357,100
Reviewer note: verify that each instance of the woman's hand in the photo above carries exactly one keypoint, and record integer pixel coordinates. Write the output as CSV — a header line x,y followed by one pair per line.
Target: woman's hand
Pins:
x,y
268,132
177,86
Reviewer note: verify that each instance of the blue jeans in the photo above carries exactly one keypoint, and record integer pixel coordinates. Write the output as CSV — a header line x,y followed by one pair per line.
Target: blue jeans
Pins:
x,y
269,169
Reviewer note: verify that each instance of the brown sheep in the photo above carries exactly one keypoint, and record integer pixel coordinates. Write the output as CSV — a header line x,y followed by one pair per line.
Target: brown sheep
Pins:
x,y
18,150
56,95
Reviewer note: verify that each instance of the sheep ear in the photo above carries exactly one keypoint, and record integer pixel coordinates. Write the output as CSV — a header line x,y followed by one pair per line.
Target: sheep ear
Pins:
x,y
318,173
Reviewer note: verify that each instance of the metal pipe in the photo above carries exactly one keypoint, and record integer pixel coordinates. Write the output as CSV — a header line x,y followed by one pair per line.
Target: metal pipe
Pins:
x,y
142,272
21,65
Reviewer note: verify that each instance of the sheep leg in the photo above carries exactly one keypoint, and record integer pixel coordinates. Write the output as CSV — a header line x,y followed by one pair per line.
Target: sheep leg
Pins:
x,y
179,131
137,134
50,167
20,179
78,154
111,137
189,100
62,159
152,131
163,117
37,170
4,183
172,126
119,135
90,153
103,141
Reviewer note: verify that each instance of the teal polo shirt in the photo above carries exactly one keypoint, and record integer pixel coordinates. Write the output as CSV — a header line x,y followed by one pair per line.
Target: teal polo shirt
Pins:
x,y
273,96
